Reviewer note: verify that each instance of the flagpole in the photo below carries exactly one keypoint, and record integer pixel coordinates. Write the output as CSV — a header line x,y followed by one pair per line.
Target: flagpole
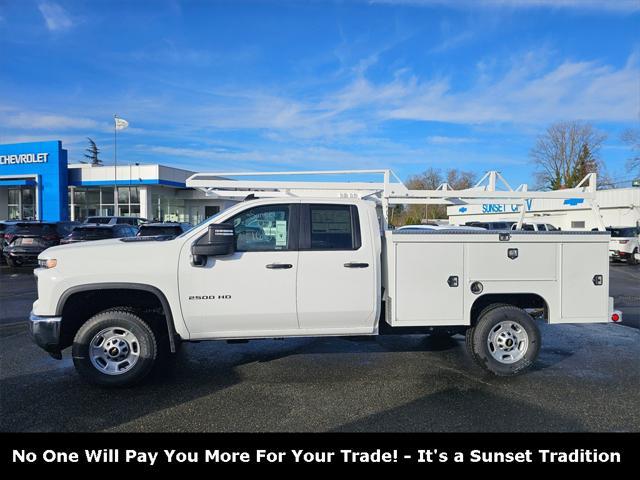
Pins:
x,y
115,167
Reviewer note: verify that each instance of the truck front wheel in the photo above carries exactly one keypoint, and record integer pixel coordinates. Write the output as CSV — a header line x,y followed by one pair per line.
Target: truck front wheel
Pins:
x,y
505,341
114,348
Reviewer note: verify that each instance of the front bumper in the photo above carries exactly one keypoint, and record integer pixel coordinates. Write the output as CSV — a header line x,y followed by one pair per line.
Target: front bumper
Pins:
x,y
45,332
23,255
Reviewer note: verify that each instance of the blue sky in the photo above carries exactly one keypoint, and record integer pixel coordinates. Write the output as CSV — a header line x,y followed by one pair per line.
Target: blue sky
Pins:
x,y
239,85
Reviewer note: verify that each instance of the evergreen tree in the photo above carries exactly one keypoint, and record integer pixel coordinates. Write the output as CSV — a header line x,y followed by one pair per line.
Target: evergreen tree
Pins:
x,y
92,153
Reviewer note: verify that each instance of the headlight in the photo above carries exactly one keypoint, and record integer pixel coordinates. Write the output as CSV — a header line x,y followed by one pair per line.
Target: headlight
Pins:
x,y
47,262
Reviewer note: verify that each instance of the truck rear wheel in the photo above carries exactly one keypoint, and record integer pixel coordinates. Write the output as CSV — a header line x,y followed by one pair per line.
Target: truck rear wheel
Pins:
x,y
505,341
114,348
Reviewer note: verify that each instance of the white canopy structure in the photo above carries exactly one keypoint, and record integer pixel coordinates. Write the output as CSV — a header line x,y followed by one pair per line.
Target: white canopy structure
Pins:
x,y
389,191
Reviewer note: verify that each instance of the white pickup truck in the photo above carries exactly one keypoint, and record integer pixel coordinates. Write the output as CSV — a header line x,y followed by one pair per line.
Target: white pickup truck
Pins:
x,y
288,266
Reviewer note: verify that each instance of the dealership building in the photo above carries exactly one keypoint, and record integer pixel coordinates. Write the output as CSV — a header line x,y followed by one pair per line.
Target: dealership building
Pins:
x,y
38,183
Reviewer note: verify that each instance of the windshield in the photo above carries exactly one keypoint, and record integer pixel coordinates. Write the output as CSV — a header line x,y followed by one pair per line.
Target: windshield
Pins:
x,y
623,232
148,230
91,233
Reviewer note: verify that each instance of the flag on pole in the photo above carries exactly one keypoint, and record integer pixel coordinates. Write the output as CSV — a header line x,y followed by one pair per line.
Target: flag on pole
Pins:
x,y
121,123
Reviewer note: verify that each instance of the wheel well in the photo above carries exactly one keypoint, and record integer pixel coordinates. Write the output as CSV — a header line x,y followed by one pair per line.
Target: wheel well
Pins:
x,y
530,301
82,305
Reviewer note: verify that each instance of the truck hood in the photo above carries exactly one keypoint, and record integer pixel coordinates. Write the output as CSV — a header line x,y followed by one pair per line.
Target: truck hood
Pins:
x,y
110,243
109,250
113,260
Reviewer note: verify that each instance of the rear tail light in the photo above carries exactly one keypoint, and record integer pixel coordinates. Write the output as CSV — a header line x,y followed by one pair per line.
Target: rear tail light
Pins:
x,y
615,317
623,242
8,237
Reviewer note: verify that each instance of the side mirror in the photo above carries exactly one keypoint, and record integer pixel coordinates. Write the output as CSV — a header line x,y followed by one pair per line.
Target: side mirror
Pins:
x,y
219,240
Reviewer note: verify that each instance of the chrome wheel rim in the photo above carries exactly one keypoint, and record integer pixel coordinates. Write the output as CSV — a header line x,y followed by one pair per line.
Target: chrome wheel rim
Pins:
x,y
508,342
114,351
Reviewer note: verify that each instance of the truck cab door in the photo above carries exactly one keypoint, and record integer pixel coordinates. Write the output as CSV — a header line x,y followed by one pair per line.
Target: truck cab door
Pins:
x,y
337,270
253,291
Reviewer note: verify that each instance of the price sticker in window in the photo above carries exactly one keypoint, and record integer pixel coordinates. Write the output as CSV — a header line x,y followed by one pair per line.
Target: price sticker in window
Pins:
x,y
281,233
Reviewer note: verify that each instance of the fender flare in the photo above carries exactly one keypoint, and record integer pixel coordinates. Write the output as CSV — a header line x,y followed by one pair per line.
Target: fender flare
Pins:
x,y
124,286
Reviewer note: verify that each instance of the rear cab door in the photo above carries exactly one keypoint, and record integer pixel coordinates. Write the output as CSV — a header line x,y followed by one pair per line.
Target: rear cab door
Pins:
x,y
338,269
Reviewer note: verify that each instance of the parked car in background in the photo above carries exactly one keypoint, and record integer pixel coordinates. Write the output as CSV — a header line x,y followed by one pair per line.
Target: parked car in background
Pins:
x,y
105,220
624,244
536,227
23,241
506,225
4,224
155,229
95,231
439,227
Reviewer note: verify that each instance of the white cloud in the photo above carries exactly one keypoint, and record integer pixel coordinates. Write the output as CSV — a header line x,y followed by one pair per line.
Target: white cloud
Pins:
x,y
444,140
44,121
527,90
622,6
56,17
523,94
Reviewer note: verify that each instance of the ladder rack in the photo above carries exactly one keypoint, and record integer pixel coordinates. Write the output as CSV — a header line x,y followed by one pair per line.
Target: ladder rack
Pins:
x,y
390,191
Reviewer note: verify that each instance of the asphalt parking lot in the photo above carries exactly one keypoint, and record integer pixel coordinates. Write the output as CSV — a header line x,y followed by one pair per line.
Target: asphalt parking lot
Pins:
x,y
587,378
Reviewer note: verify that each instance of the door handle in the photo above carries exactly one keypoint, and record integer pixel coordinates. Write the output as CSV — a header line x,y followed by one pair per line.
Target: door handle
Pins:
x,y
279,266
356,265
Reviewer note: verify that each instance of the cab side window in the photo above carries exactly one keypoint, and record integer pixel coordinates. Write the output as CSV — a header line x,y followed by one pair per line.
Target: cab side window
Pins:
x,y
334,227
264,228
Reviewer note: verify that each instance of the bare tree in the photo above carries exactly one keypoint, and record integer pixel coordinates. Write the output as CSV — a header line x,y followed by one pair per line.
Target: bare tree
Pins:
x,y
431,179
565,153
460,179
92,153
631,137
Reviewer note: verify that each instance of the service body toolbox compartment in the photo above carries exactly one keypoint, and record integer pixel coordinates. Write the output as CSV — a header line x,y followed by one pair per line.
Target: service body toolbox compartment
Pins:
x,y
431,272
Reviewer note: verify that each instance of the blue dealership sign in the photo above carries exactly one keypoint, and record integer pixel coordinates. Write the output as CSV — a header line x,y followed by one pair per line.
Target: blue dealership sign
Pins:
x,y
42,165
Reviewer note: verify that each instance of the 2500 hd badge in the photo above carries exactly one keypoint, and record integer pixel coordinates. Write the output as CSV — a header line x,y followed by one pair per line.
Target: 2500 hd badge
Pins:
x,y
209,297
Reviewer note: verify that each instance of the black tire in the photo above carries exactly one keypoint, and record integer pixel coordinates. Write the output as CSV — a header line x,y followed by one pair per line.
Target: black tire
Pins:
x,y
117,318
13,263
468,336
513,362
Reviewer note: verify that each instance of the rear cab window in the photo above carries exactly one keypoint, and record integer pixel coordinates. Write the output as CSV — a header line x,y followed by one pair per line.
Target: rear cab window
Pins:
x,y
333,227
32,229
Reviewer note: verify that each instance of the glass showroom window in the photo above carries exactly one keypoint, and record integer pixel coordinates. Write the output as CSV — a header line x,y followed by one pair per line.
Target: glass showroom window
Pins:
x,y
128,201
106,201
168,209
22,203
90,201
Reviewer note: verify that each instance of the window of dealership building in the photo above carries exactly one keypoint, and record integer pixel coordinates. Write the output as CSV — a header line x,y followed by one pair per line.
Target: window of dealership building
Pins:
x,y
38,183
